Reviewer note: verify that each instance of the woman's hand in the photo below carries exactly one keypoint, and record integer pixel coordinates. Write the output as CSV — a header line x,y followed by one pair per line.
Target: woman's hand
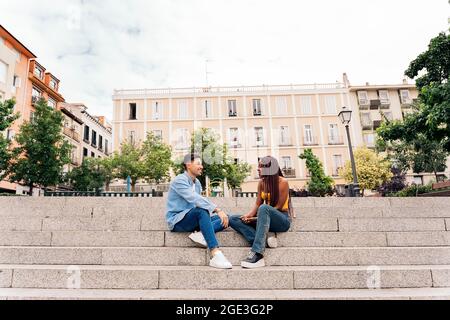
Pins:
x,y
224,218
246,217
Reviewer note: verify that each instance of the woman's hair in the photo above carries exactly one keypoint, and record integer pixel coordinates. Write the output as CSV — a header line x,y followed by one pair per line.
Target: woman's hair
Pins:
x,y
270,173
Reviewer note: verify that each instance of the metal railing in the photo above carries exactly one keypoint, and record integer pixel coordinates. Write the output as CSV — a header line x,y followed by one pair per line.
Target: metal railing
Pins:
x,y
152,194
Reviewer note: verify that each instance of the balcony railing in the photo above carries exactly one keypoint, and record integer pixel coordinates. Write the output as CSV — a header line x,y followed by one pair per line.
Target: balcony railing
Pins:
x,y
335,172
235,145
385,103
375,104
35,99
313,141
289,172
367,126
75,161
286,142
233,89
71,133
335,140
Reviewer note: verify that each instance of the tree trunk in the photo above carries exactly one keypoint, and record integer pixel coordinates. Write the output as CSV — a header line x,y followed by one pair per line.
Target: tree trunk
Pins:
x,y
107,186
133,186
31,189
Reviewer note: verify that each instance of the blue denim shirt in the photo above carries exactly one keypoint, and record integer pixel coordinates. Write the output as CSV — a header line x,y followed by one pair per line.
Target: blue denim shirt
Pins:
x,y
182,199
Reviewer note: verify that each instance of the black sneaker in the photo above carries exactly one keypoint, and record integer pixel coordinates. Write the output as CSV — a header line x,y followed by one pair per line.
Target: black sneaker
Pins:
x,y
253,260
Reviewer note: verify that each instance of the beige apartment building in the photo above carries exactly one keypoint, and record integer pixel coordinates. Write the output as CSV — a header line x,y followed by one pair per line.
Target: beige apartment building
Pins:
x,y
254,121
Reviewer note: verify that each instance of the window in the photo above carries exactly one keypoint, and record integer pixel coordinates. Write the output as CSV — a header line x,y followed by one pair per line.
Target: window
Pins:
x,y
17,54
337,164
51,103
133,110
286,162
86,134
284,136
35,95
259,136
100,142
208,109
132,137
308,134
182,138
306,104
232,111
182,110
333,132
17,82
92,154
369,139
94,138
10,134
3,71
157,134
157,111
106,146
85,152
257,107
38,72
363,98
383,95
281,105
405,97
330,105
53,84
366,120
234,137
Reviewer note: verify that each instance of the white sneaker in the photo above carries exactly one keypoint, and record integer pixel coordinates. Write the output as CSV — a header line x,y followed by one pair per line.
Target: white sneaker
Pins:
x,y
272,242
220,262
199,239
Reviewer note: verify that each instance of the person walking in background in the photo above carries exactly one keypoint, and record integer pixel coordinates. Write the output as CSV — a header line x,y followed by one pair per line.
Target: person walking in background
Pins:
x,y
272,212
188,211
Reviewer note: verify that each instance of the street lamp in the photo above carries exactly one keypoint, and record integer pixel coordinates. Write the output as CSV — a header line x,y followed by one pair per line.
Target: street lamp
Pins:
x,y
346,116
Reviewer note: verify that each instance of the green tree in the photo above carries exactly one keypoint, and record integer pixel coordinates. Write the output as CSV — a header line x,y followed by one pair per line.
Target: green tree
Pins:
x,y
217,163
432,111
42,152
372,169
7,118
236,173
107,168
129,163
320,185
157,159
88,176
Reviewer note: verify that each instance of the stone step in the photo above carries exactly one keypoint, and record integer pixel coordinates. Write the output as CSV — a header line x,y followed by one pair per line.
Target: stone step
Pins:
x,y
206,278
229,295
305,207
226,239
158,223
181,256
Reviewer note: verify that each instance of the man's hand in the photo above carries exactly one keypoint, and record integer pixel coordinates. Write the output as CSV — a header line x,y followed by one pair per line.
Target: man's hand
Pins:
x,y
224,218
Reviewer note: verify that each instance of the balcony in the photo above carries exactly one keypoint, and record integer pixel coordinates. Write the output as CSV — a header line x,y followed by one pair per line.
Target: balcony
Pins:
x,y
335,172
232,114
335,141
407,103
363,104
235,145
311,141
385,104
285,142
71,133
257,113
289,173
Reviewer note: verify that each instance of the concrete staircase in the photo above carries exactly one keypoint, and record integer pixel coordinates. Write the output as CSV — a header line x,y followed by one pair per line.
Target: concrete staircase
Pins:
x,y
119,248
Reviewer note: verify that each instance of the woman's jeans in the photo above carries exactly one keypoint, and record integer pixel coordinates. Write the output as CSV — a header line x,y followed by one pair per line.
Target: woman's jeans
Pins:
x,y
199,220
269,219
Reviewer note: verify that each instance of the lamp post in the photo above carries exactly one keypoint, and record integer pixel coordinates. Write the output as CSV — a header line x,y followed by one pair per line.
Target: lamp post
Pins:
x,y
346,116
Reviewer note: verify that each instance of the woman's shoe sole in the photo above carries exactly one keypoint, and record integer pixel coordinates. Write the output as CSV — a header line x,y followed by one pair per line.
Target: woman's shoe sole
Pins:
x,y
258,264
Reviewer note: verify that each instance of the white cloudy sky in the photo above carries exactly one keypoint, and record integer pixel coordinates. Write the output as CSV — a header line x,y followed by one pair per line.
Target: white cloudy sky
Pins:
x,y
95,46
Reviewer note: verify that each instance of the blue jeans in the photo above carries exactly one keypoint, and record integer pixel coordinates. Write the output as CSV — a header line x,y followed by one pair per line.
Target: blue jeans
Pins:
x,y
199,220
269,219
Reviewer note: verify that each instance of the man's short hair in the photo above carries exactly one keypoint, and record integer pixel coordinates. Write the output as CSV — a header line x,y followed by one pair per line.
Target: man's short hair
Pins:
x,y
189,158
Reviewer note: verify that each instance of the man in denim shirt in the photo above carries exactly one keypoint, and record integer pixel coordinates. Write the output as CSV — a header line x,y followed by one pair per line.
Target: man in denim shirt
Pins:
x,y
188,211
